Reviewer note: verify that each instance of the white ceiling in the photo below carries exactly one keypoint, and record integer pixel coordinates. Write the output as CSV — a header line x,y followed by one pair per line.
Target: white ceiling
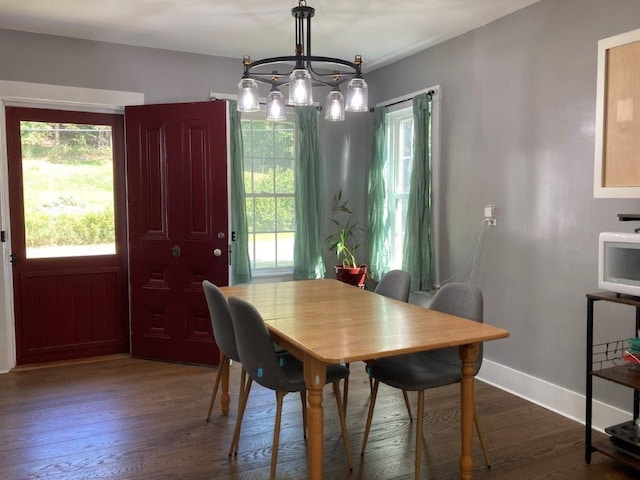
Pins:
x,y
382,31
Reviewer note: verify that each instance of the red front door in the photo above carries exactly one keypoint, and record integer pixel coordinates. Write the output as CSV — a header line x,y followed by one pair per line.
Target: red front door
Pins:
x,y
178,226
68,233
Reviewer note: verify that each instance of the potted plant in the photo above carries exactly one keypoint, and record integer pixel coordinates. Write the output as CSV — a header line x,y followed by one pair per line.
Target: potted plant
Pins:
x,y
344,243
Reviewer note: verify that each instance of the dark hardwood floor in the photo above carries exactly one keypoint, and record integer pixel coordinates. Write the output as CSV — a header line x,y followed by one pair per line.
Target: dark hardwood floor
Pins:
x,y
122,418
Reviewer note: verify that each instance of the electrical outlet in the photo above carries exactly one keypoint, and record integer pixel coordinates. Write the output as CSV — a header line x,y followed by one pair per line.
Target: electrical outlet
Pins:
x,y
490,215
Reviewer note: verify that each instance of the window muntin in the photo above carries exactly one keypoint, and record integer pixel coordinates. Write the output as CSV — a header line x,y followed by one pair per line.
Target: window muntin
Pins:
x,y
269,166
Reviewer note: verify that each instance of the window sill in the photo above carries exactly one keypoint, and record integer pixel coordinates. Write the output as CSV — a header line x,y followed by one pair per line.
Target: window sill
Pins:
x,y
271,277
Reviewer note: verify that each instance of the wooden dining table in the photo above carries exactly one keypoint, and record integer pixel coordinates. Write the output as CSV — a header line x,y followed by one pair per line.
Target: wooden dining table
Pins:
x,y
327,322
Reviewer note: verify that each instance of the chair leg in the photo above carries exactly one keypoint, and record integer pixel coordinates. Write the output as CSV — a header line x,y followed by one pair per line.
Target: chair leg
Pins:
x,y
419,433
343,423
406,402
303,399
345,391
276,434
243,378
476,420
372,404
224,361
245,388
368,364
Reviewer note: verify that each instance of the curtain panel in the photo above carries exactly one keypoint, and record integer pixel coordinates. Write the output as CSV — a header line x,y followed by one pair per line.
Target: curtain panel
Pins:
x,y
378,222
307,248
240,263
417,253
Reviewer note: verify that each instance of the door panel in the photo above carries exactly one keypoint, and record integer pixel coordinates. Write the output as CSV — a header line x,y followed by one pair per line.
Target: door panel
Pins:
x,y
177,194
70,298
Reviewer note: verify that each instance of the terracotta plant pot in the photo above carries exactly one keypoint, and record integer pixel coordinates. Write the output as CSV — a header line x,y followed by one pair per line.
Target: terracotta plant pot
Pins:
x,y
352,276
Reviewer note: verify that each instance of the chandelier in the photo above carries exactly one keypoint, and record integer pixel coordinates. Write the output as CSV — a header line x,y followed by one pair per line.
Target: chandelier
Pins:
x,y
301,72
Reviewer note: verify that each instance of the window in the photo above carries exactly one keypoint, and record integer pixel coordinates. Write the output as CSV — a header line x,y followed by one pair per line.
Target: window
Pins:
x,y
68,189
398,174
269,160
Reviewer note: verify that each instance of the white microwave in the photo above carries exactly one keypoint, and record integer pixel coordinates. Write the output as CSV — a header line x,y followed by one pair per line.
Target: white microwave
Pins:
x,y
619,262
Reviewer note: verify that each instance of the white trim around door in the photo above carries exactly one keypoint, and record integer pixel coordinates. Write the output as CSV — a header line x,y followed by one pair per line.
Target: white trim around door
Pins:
x,y
40,96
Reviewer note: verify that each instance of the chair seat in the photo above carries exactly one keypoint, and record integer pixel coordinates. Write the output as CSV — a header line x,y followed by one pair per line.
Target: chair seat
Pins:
x,y
417,371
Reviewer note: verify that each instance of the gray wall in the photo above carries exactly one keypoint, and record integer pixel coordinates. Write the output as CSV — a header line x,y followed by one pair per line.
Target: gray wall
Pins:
x,y
345,168
518,116
163,76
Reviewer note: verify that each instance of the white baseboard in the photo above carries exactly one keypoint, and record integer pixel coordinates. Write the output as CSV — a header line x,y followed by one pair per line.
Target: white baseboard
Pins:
x,y
550,396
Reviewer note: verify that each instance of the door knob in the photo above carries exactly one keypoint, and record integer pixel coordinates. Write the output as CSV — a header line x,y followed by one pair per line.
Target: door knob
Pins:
x,y
175,251
217,252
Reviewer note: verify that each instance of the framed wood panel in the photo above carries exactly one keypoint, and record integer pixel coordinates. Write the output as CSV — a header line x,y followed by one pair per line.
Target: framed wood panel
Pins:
x,y
617,155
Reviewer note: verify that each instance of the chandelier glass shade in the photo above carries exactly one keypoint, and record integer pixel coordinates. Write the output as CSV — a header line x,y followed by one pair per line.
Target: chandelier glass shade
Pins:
x,y
276,111
334,106
301,72
248,96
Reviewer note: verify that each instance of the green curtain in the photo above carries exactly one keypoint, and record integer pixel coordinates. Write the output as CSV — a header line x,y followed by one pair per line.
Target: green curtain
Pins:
x,y
240,263
417,254
307,248
378,225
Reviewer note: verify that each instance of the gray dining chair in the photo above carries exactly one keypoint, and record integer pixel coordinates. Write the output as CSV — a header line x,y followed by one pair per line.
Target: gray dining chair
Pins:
x,y
431,369
224,336
283,375
395,284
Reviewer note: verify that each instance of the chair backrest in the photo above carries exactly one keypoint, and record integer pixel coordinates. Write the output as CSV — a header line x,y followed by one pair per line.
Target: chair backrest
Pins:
x,y
462,300
459,299
257,353
221,320
395,284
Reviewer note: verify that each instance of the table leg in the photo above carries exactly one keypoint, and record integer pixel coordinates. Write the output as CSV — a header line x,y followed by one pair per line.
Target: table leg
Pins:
x,y
315,377
468,355
225,399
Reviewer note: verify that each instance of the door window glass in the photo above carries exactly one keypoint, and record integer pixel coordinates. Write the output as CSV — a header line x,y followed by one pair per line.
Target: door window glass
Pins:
x,y
68,189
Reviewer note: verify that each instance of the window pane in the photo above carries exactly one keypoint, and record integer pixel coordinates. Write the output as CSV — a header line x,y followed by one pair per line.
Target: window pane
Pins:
x,y
404,155
248,177
265,214
399,225
284,140
251,218
285,214
68,192
262,140
284,176
263,177
285,249
252,254
265,250
246,136
406,137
